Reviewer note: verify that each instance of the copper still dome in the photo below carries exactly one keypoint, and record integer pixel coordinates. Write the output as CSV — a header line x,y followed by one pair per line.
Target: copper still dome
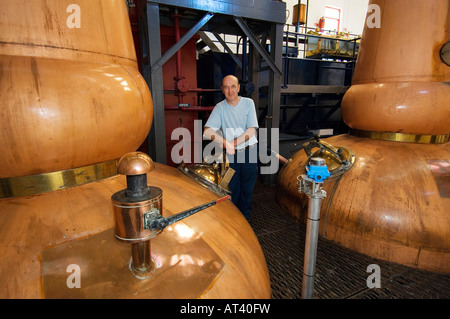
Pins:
x,y
73,103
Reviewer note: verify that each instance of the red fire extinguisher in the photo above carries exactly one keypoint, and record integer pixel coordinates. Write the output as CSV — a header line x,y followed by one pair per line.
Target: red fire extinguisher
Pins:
x,y
322,23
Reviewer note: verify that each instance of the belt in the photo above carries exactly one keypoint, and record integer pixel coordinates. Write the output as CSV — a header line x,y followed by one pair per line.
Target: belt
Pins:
x,y
246,148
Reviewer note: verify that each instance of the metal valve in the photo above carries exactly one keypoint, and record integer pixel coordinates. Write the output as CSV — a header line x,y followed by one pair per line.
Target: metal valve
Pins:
x,y
138,211
131,204
311,182
339,159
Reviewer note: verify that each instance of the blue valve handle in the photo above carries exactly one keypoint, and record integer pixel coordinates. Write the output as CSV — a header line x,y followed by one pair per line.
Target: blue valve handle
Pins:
x,y
317,173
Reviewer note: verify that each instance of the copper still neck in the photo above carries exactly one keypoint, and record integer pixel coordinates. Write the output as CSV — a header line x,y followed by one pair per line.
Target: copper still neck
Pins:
x,y
400,87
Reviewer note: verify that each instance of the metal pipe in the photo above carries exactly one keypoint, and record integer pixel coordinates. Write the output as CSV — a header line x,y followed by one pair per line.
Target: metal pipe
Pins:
x,y
279,156
137,186
286,62
141,263
306,28
244,58
311,185
176,18
312,239
297,25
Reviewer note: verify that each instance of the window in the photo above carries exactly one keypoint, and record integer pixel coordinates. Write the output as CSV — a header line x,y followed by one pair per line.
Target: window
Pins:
x,y
332,18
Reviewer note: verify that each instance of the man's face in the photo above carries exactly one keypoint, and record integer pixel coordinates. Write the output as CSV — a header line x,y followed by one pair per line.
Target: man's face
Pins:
x,y
230,87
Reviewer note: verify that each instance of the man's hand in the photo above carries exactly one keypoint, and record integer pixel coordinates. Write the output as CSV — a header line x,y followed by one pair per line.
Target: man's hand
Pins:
x,y
229,147
244,137
209,133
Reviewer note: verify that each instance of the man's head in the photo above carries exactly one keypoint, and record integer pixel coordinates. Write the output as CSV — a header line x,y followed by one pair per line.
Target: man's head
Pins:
x,y
231,87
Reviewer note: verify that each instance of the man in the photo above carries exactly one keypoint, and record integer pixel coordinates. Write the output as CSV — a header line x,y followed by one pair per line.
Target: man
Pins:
x,y
236,118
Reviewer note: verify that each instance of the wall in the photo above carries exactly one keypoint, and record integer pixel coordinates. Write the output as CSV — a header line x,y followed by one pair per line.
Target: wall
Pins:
x,y
353,12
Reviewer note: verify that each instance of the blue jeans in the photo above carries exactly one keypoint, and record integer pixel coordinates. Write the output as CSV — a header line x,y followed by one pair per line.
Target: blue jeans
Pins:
x,y
243,182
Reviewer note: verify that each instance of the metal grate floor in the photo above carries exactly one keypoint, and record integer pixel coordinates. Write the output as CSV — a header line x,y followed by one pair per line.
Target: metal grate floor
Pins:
x,y
340,273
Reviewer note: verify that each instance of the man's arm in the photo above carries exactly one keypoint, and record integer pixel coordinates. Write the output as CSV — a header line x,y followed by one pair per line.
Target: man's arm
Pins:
x,y
209,133
244,137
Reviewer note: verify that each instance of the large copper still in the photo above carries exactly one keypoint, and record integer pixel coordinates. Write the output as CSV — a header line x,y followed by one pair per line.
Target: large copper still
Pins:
x,y
393,204
73,103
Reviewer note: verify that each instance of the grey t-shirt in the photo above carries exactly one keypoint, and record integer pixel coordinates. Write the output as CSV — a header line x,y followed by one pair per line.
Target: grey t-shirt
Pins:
x,y
234,120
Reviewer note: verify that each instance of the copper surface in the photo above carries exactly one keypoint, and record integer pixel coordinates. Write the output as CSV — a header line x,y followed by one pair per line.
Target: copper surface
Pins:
x,y
66,92
48,182
27,30
135,163
74,97
441,172
400,83
388,205
33,224
185,266
295,14
419,108
129,215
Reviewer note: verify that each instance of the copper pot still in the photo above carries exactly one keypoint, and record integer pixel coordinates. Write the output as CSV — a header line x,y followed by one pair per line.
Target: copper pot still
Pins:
x,y
73,103
393,203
